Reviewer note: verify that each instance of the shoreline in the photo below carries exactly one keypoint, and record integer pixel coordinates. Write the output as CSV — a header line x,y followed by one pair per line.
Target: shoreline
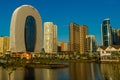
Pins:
x,y
47,66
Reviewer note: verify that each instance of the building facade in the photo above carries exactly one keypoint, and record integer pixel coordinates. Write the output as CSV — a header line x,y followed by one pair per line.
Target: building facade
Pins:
x,y
63,47
108,52
50,37
74,37
106,31
115,37
26,30
91,44
83,39
119,36
4,45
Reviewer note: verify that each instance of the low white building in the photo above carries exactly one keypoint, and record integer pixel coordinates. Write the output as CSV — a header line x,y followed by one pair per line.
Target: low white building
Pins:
x,y
108,51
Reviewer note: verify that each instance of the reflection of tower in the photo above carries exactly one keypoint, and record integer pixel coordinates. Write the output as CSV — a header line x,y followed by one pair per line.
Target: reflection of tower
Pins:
x,y
45,74
1,73
78,71
50,37
84,71
26,30
92,71
19,74
38,74
108,72
49,74
29,74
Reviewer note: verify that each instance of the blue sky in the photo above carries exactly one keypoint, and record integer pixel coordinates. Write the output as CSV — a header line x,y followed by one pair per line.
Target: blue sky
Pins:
x,y
64,12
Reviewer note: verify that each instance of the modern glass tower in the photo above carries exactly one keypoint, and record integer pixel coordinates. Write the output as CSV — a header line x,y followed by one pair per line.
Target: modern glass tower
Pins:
x,y
26,30
106,31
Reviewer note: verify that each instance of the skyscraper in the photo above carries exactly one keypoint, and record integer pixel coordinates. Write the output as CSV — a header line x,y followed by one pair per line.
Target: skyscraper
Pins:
x,y
74,37
83,39
50,37
119,36
106,31
26,30
115,37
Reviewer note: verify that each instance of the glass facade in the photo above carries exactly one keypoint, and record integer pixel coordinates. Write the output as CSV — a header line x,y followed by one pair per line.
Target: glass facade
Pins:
x,y
30,34
115,36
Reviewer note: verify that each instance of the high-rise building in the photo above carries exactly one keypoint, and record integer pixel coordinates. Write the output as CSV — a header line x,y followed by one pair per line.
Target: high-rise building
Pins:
x,y
26,30
4,45
119,36
55,39
74,37
106,31
115,37
83,39
91,44
50,37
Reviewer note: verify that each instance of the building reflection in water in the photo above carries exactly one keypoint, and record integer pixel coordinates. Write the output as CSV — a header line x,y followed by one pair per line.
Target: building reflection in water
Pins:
x,y
29,74
110,71
45,74
49,74
75,71
38,74
15,75
78,71
84,71
19,74
3,75
105,71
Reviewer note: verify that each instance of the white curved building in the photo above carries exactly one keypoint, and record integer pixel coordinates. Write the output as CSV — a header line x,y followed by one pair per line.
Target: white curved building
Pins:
x,y
26,30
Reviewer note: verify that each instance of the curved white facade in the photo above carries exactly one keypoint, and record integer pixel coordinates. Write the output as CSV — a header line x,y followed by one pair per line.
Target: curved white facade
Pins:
x,y
17,29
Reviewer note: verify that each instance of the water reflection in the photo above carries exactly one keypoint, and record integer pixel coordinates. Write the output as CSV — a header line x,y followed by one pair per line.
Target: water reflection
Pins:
x,y
15,75
75,71
51,74
84,71
40,74
19,74
29,74
45,74
78,71
110,71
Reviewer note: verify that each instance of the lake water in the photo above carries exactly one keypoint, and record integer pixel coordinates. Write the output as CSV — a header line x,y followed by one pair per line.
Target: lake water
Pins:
x,y
75,71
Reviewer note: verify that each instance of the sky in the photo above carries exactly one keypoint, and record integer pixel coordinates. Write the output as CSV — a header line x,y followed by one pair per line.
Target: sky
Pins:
x,y
64,12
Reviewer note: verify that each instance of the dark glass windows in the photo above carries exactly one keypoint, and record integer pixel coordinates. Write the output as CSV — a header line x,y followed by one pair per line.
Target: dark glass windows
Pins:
x,y
30,34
